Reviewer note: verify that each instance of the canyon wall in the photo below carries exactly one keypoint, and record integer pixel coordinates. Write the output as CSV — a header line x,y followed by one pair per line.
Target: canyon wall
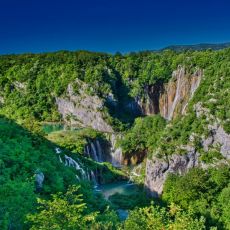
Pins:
x,y
82,109
171,99
157,169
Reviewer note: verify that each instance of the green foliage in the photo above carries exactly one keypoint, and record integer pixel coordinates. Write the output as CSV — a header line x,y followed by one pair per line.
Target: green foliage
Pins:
x,y
29,85
224,204
154,217
62,212
22,154
211,156
127,202
143,135
17,198
69,211
74,140
202,192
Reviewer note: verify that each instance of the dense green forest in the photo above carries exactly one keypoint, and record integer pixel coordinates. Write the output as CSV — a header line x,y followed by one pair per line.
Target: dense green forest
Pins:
x,y
29,86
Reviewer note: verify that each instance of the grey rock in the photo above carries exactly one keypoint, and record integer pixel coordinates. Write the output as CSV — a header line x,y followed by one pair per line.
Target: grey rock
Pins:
x,y
220,137
171,99
83,109
158,169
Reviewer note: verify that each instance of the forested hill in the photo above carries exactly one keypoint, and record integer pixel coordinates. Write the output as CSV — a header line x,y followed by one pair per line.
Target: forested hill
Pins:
x,y
32,84
198,47
158,119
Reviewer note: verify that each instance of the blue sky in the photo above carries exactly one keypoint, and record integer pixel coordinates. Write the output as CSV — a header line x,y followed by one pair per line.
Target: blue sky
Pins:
x,y
110,25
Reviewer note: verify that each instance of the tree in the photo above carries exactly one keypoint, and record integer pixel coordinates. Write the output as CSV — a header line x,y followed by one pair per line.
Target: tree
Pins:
x,y
154,217
64,211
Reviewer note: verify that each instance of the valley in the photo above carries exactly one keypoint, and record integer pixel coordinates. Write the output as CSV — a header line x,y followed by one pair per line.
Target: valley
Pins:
x,y
99,141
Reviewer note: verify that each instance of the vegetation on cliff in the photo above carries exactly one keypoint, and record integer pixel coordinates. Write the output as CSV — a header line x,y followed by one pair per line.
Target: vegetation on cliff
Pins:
x,y
29,86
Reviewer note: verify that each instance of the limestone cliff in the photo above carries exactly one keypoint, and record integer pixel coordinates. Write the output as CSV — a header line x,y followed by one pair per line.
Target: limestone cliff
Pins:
x,y
171,99
81,108
157,168
177,93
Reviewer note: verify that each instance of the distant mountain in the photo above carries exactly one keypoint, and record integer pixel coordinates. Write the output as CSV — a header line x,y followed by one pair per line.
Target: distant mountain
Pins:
x,y
201,46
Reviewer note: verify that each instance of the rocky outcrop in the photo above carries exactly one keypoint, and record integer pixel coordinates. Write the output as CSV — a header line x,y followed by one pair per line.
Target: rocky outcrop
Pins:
x,y
158,169
218,138
149,104
171,99
82,109
177,93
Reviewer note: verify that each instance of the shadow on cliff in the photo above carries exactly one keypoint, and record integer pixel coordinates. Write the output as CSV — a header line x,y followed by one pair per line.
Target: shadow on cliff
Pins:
x,y
126,108
25,153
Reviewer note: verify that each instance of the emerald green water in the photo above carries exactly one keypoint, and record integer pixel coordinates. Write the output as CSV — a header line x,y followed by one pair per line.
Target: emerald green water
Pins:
x,y
49,128
121,187
54,127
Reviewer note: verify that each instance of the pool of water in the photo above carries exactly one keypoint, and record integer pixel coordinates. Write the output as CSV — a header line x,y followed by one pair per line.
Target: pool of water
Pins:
x,y
49,128
122,187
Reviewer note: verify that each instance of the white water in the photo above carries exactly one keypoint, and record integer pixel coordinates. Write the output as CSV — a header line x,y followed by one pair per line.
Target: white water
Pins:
x,y
177,96
115,153
99,150
195,85
94,151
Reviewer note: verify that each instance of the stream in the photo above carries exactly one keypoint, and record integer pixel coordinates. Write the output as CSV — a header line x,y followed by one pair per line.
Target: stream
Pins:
x,y
107,190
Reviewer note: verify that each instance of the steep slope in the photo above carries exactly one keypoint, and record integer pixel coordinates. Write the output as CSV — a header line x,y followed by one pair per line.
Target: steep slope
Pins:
x,y
171,99
200,138
32,167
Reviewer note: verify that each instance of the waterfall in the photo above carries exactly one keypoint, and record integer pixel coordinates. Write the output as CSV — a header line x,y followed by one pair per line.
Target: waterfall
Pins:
x,y
94,151
58,150
87,152
72,163
195,84
60,159
177,96
99,150
116,154
93,178
117,157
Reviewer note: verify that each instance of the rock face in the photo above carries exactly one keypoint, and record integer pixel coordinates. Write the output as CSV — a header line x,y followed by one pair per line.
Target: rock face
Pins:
x,y
158,169
218,137
171,99
83,109
177,93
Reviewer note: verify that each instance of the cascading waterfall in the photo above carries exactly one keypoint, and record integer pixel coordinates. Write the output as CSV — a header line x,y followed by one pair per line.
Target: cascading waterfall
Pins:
x,y
87,152
93,177
94,151
99,150
196,82
177,96
70,162
116,153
